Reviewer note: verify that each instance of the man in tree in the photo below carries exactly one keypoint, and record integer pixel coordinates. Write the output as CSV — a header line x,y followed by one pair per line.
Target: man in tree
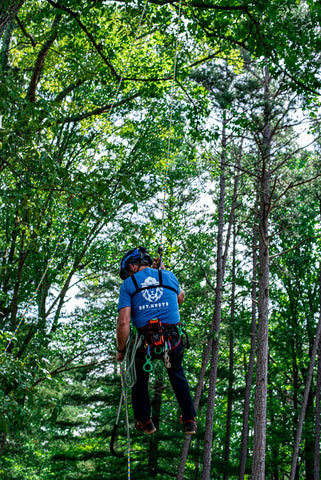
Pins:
x,y
150,298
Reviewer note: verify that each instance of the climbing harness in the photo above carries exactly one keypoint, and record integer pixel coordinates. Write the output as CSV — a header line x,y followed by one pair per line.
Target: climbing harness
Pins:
x,y
152,286
159,339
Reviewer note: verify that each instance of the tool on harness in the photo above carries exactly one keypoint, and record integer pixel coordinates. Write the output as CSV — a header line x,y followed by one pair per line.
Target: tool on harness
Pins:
x,y
155,334
159,338
166,355
148,367
154,337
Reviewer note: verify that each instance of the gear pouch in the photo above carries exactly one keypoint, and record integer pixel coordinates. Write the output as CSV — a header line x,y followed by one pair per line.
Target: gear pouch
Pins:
x,y
155,333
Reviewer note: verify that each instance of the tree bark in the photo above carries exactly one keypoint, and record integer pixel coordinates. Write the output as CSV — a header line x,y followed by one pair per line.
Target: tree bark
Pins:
x,y
259,439
207,455
250,370
231,368
154,440
10,9
206,357
317,416
306,396
41,59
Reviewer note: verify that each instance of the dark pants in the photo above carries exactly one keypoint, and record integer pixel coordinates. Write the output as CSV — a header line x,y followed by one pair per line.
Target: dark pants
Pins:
x,y
140,394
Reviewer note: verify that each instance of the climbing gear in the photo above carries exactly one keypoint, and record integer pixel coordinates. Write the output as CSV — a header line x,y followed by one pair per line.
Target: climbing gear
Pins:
x,y
166,355
190,427
147,427
155,333
159,338
133,256
152,285
123,397
128,379
148,367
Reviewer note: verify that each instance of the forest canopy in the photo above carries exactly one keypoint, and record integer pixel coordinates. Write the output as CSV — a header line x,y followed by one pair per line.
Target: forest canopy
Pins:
x,y
188,124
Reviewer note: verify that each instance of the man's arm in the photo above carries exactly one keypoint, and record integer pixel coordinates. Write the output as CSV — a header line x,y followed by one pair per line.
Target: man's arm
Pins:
x,y
181,297
122,332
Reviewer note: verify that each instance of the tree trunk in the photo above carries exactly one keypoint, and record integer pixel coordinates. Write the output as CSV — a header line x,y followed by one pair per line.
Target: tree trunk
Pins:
x,y
185,449
259,439
10,9
3,438
207,455
309,440
317,417
199,388
154,440
231,373
306,396
250,370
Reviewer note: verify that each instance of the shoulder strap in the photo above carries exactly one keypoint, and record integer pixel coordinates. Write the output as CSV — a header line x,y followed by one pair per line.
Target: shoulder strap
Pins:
x,y
139,289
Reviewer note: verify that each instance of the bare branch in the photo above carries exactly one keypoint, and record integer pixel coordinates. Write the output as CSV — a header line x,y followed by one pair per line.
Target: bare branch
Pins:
x,y
24,31
295,246
294,185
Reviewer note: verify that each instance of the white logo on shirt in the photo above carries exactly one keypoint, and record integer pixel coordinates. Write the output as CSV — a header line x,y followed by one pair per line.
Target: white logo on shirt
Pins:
x,y
152,294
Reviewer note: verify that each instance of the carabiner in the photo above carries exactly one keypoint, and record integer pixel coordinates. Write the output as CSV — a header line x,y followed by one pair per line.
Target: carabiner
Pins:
x,y
166,356
148,367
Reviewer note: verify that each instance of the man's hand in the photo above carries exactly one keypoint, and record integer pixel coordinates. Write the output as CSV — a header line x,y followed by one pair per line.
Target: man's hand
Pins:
x,y
120,357
156,264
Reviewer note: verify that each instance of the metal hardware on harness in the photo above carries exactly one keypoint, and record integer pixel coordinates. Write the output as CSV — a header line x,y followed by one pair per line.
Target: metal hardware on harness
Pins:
x,y
148,367
159,350
166,355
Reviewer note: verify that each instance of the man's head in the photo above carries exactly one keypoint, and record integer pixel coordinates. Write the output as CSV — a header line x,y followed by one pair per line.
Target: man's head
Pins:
x,y
135,257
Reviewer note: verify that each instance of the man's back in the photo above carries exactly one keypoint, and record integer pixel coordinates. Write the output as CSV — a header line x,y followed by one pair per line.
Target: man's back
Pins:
x,y
150,296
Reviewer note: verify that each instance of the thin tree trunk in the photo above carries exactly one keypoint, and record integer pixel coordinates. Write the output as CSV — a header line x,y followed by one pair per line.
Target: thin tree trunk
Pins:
x,y
206,357
3,438
231,368
207,455
306,396
309,440
317,417
154,440
259,439
248,385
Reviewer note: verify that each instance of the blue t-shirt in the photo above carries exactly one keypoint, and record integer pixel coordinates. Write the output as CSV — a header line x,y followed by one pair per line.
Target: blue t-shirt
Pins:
x,y
158,302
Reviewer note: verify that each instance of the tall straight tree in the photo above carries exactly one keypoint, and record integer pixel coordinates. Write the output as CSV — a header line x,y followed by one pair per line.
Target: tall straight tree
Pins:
x,y
250,369
259,441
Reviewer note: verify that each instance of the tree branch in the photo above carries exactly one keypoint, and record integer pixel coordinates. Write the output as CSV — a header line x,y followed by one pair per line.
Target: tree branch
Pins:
x,y
295,246
98,111
97,46
24,31
41,59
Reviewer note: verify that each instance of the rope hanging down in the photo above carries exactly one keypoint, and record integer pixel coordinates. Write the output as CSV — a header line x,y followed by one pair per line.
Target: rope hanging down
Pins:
x,y
170,128
128,374
71,211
